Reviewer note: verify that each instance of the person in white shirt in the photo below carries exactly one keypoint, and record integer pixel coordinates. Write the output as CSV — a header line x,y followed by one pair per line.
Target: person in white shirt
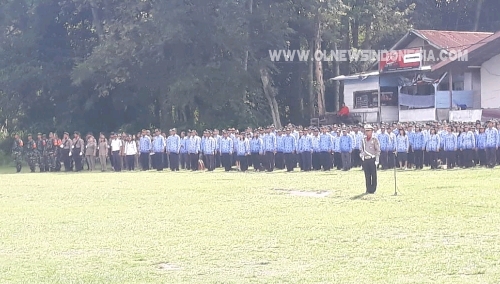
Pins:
x,y
116,147
130,152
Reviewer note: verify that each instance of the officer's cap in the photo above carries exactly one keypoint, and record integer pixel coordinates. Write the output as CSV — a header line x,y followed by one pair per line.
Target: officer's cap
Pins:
x,y
368,127
39,134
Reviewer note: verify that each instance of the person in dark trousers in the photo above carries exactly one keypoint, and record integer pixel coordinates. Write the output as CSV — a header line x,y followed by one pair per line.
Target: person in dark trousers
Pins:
x,y
369,153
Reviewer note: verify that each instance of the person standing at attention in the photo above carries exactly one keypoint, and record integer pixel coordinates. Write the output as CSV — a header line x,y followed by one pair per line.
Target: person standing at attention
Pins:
x,y
370,152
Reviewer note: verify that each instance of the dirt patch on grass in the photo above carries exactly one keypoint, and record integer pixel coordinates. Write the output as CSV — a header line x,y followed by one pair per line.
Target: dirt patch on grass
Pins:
x,y
168,266
316,194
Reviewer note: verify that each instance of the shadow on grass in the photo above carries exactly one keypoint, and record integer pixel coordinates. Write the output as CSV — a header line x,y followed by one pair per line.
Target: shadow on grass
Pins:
x,y
359,196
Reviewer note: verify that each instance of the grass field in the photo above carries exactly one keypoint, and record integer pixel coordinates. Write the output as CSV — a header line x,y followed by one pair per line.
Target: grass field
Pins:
x,y
442,227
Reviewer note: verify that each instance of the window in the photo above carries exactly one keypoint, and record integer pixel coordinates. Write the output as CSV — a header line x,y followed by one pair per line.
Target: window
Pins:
x,y
389,96
366,99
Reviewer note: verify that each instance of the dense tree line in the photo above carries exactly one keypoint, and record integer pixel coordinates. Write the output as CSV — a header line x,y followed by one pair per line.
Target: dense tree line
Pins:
x,y
105,65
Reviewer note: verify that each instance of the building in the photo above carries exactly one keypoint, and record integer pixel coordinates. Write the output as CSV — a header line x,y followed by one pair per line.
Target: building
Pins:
x,y
429,75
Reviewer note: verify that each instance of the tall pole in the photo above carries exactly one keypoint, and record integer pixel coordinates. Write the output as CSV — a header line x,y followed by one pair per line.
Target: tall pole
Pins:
x,y
450,86
379,119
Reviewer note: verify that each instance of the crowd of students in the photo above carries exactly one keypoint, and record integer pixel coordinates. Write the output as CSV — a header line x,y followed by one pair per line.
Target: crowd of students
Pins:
x,y
403,145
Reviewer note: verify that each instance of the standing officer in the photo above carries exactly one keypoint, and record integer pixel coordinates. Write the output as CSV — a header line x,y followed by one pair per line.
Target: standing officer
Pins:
x,y
17,152
78,151
369,153
40,146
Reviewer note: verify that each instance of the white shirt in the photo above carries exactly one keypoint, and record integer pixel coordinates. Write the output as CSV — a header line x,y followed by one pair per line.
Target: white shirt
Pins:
x,y
116,144
130,148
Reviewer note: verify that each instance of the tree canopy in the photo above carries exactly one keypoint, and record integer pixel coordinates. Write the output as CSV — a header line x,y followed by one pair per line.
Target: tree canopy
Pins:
x,y
107,65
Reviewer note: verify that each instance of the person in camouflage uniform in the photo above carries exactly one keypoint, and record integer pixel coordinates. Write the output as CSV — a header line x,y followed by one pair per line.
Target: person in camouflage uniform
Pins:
x,y
50,149
40,147
17,152
31,153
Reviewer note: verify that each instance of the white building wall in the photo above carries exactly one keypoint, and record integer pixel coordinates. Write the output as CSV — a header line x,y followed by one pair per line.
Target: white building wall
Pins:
x,y
490,83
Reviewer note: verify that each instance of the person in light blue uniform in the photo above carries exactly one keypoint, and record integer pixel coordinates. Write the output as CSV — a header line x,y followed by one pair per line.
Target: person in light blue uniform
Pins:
x,y
243,151
226,149
305,148
316,155
256,151
481,146
337,155
346,148
269,148
450,147
209,149
145,148
432,146
325,147
383,139
467,147
418,148
185,164
289,150
159,145
492,141
402,148
279,157
173,149
194,148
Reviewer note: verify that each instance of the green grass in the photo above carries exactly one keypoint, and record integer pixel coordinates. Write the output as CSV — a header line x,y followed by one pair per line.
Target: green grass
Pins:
x,y
443,227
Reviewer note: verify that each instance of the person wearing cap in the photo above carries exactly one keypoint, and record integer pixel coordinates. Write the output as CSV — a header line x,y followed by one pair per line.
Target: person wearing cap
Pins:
x,y
51,150
369,154
269,148
78,151
31,153
17,152
66,147
346,147
492,139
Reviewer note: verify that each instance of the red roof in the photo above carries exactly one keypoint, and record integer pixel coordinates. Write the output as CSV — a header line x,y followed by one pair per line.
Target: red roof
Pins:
x,y
452,39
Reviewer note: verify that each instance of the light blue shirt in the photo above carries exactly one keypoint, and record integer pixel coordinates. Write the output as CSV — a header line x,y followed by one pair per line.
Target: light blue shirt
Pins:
x,y
226,145
145,144
159,144
174,144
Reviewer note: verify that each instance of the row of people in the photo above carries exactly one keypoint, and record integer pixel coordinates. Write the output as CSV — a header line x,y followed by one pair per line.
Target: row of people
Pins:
x,y
324,148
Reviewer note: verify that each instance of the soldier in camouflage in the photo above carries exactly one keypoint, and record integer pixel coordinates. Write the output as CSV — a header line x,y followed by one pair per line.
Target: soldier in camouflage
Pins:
x,y
17,152
50,149
31,153
40,147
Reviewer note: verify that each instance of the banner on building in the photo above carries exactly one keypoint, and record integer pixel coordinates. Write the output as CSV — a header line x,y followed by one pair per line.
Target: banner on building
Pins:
x,y
400,60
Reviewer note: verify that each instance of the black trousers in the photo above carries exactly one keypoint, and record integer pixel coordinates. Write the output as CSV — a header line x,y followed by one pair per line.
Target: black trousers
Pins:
x,y
481,156
210,162
306,161
166,162
66,159
325,160
144,158
174,161
193,160
391,160
225,159
217,160
256,161
383,160
450,159
355,158
280,160
370,170
491,156
433,159
243,163
117,161
316,161
184,160
467,158
418,156
269,161
158,161
411,156
78,159
337,160
289,161
131,162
